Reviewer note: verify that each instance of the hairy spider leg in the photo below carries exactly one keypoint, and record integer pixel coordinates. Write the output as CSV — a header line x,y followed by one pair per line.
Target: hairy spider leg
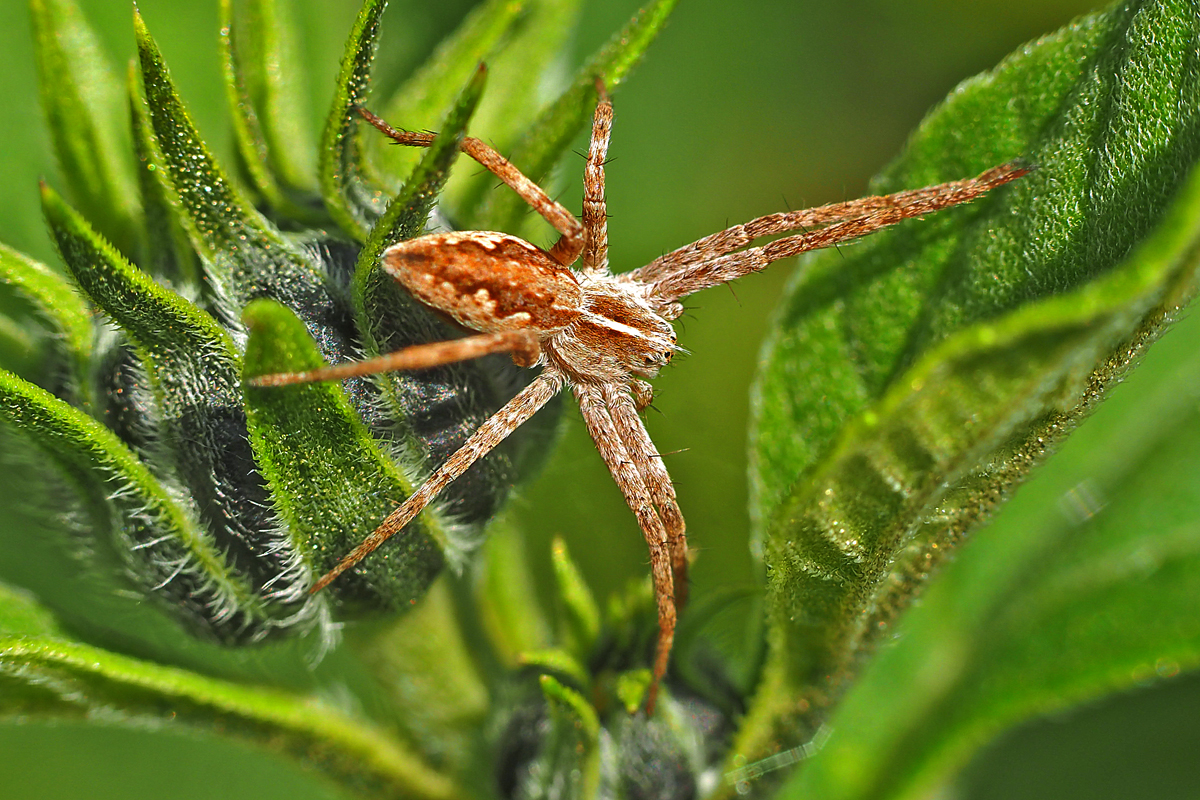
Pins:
x,y
595,208
419,356
597,415
567,249
496,429
711,261
622,408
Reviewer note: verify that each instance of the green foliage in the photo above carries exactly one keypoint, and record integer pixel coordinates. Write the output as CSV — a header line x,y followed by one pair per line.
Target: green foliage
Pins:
x,y
81,96
1082,586
50,305
47,676
223,501
943,383
263,73
91,456
351,199
322,464
909,385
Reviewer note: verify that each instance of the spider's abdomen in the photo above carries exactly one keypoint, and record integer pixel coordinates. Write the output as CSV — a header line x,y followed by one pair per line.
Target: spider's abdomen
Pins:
x,y
487,281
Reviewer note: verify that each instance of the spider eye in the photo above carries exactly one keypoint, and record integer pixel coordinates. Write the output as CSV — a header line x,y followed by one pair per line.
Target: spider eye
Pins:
x,y
657,359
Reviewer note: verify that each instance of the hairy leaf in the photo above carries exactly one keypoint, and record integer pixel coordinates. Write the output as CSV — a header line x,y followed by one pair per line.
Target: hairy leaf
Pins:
x,y
351,196
82,100
929,367
263,78
151,525
168,252
330,483
551,133
193,368
244,255
1085,584
45,676
51,299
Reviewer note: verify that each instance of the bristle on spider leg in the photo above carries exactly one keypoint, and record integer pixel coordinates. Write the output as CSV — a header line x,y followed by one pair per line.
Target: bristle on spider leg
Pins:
x,y
622,465
494,430
421,356
853,220
622,406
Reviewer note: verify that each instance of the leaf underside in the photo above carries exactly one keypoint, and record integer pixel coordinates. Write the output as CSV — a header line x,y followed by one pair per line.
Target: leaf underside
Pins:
x,y
912,380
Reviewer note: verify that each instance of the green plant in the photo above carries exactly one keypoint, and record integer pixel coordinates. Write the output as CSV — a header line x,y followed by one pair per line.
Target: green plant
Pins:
x,y
948,356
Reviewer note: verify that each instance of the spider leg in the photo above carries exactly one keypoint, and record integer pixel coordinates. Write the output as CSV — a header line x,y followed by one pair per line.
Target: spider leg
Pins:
x,y
595,212
567,247
486,436
711,261
522,343
621,465
623,409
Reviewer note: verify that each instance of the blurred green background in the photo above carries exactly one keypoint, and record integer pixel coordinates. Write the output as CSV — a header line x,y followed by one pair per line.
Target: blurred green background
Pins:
x,y
738,110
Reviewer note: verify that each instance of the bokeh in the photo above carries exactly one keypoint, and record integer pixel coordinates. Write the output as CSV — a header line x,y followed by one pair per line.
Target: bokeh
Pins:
x,y
739,109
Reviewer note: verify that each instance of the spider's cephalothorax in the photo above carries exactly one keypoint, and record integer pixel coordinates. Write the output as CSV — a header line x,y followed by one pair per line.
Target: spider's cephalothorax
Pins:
x,y
589,325
595,333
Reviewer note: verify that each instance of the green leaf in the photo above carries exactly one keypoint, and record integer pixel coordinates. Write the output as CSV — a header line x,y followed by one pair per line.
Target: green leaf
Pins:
x,y
330,483
551,133
194,370
245,257
181,341
561,662
46,677
350,195
912,380
572,711
427,97
153,532
580,612
505,596
82,100
21,615
1085,584
59,307
569,757
263,78
168,249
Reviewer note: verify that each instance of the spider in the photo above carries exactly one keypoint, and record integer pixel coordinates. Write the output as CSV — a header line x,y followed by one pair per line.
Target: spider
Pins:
x,y
598,334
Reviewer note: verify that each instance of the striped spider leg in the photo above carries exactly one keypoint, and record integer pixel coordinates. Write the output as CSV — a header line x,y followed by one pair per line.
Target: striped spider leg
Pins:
x,y
598,334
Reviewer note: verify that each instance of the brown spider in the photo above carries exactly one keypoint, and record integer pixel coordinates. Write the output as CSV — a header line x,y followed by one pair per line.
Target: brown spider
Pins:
x,y
594,332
